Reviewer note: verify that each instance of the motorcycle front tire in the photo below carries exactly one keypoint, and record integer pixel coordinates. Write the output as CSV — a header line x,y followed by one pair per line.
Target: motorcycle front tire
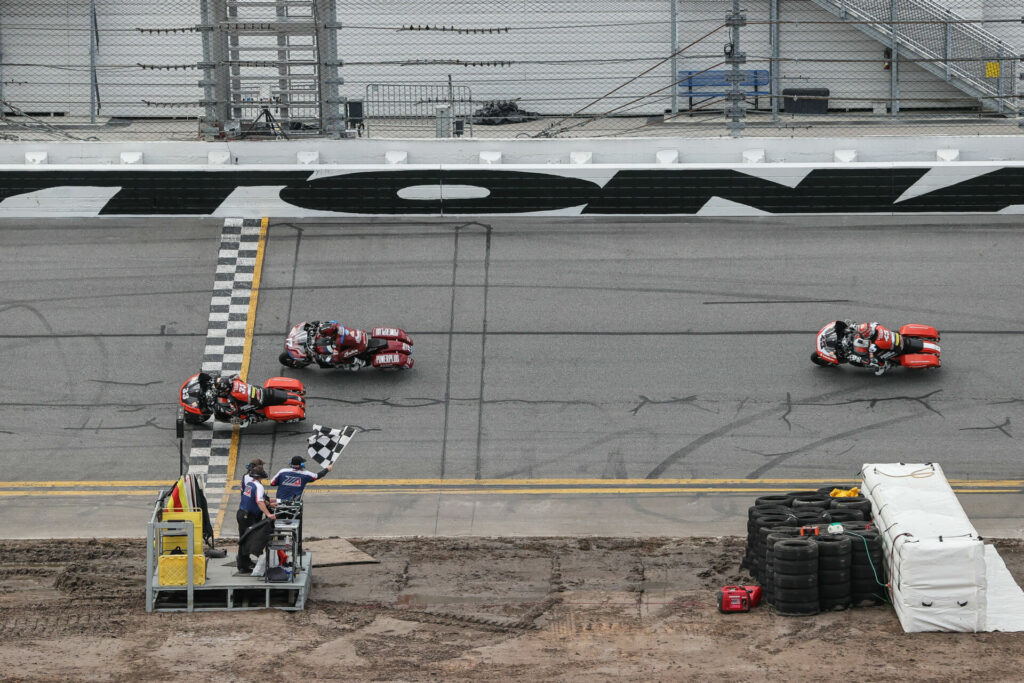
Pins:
x,y
286,360
193,419
818,360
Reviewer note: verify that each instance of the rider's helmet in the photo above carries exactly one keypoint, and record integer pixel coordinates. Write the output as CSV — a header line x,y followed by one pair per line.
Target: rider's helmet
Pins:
x,y
864,330
222,386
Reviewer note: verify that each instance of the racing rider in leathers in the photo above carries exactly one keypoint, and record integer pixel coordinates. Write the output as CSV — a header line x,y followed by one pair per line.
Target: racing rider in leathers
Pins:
x,y
231,393
874,346
337,346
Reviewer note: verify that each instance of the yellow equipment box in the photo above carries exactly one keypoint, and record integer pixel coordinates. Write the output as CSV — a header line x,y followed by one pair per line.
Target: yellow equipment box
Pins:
x,y
172,570
174,539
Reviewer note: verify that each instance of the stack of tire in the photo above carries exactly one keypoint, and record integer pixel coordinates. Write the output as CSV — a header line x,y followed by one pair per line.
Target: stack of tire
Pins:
x,y
795,580
867,568
834,560
803,516
775,535
767,511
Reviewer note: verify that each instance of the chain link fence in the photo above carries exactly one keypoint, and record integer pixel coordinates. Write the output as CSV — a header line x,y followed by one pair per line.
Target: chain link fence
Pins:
x,y
236,69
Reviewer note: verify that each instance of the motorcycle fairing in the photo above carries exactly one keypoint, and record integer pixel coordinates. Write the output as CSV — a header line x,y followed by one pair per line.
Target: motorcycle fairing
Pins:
x,y
825,342
919,360
920,331
389,359
391,333
285,413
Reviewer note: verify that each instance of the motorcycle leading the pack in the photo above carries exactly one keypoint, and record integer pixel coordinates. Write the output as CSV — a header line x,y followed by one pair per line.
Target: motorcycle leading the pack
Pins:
x,y
914,347
387,348
280,399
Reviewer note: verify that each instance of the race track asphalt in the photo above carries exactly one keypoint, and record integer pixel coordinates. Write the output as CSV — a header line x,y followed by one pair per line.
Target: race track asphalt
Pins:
x,y
590,376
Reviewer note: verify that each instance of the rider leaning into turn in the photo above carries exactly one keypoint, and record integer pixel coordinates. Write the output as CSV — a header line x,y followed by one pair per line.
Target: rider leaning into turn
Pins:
x,y
338,346
874,346
231,393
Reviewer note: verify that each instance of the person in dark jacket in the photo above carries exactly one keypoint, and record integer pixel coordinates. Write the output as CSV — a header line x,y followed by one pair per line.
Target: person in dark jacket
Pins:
x,y
291,481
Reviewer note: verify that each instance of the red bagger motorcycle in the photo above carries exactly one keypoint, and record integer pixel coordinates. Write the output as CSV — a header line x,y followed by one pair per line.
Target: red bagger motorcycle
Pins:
x,y
914,347
280,399
387,348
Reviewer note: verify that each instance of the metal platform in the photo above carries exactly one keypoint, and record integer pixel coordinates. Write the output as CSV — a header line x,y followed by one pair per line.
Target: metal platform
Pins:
x,y
226,589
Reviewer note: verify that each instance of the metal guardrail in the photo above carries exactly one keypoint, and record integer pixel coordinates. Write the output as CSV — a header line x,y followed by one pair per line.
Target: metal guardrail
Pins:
x,y
450,106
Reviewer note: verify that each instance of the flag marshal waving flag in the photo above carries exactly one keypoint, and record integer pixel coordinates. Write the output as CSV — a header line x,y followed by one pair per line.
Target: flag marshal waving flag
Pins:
x,y
326,444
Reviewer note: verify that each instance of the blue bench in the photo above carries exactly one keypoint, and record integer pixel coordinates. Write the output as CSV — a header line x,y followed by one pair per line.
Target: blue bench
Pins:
x,y
712,83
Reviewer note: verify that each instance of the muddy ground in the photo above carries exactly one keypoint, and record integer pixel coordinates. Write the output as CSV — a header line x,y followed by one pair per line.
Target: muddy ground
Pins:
x,y
466,609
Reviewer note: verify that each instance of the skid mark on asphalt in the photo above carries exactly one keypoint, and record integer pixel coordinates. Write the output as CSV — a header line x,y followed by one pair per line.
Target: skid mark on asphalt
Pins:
x,y
872,402
779,458
1001,427
725,429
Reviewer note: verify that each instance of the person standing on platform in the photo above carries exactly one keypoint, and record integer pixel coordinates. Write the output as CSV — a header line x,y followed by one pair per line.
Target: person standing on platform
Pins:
x,y
253,504
291,481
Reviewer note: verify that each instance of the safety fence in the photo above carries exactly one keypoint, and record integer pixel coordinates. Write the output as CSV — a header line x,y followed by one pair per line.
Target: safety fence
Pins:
x,y
238,69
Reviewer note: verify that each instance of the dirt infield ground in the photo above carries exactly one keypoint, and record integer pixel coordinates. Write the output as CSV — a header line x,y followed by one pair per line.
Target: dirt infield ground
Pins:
x,y
466,609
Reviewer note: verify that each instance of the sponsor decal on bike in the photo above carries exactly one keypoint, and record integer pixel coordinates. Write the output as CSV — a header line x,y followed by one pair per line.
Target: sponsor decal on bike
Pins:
x,y
387,358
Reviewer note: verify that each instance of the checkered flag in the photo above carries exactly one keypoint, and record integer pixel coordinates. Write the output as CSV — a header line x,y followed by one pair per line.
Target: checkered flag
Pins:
x,y
326,444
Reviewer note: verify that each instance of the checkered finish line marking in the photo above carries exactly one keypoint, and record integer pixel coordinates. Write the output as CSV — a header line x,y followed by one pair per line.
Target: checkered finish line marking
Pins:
x,y
228,337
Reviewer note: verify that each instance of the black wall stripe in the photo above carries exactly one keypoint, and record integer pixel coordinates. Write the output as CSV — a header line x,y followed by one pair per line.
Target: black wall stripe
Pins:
x,y
642,192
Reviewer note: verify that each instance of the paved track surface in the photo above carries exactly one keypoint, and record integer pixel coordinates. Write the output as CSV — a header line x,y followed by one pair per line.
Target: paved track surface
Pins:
x,y
627,352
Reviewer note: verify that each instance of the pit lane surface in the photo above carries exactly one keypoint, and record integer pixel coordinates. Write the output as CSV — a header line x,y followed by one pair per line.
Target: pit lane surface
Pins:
x,y
572,376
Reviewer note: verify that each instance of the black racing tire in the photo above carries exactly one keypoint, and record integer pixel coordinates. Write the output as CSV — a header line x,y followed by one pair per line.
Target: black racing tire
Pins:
x,y
856,502
766,508
821,362
833,577
835,604
289,362
866,572
795,566
826,592
842,515
193,419
796,549
832,546
795,594
855,526
797,609
802,494
807,516
834,562
810,504
827,490
795,581
862,560
773,499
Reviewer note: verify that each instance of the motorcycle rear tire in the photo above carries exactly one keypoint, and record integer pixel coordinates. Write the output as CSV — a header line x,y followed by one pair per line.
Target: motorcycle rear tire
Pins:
x,y
193,419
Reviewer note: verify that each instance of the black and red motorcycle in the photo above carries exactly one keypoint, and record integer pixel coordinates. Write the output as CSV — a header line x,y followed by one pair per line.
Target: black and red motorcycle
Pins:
x,y
876,347
280,399
387,348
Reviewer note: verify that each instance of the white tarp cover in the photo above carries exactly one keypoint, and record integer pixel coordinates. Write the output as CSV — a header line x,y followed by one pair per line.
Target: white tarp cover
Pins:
x,y
939,568
1005,598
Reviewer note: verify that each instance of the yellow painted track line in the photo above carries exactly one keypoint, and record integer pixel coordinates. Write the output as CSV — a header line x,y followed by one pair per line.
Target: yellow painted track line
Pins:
x,y
109,492
250,326
345,483
620,490
165,484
